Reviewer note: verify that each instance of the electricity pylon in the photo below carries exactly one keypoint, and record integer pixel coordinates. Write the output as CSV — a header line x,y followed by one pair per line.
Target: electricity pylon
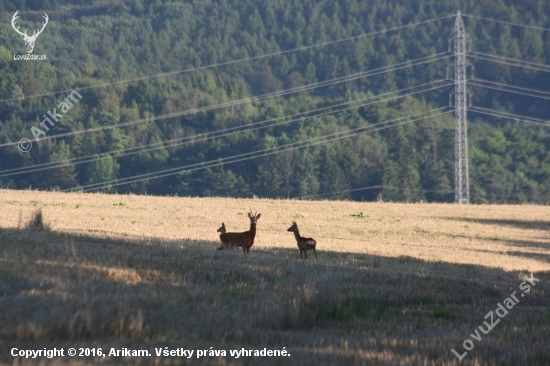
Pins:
x,y
462,187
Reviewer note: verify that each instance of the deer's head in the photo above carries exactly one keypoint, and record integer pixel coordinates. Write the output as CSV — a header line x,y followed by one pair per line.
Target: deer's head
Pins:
x,y
253,218
29,40
294,227
222,229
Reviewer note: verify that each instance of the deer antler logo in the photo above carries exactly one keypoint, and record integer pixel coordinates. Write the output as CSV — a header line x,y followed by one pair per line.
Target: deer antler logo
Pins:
x,y
29,41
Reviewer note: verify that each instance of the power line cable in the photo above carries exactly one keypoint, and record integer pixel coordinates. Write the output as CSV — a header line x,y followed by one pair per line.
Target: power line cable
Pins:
x,y
207,136
509,23
512,86
511,114
514,117
264,152
510,64
232,62
348,78
502,89
509,59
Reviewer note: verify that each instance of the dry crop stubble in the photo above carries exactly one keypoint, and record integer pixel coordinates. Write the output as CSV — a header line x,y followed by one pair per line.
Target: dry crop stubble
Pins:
x,y
394,283
504,236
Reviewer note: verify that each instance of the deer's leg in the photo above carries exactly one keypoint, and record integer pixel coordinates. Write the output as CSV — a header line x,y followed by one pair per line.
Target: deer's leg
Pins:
x,y
314,252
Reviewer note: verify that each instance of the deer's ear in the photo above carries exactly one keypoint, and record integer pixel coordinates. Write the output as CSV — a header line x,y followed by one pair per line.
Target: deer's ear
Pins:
x,y
258,216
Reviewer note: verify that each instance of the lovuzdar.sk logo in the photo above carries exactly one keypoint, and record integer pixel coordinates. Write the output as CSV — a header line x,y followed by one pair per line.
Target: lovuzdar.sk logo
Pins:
x,y
29,40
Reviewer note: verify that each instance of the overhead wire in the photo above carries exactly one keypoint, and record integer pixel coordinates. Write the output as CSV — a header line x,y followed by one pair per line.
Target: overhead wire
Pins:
x,y
508,59
382,70
502,89
512,86
511,116
208,135
246,156
233,61
505,22
510,64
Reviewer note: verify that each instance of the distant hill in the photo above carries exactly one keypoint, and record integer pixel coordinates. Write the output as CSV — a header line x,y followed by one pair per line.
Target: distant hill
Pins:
x,y
92,43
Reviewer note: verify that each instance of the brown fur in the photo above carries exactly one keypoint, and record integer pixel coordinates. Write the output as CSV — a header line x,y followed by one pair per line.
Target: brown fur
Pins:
x,y
304,244
229,240
243,240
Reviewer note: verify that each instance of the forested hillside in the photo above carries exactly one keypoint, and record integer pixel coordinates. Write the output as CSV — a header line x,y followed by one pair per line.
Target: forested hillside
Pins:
x,y
161,120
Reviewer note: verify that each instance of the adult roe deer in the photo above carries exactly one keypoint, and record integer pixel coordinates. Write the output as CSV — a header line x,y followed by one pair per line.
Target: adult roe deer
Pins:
x,y
243,240
304,244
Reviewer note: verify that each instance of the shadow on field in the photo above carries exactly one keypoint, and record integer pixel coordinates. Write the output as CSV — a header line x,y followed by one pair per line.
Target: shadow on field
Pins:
x,y
507,242
71,290
521,224
531,255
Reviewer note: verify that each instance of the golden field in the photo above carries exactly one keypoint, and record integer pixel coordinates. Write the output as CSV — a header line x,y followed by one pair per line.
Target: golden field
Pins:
x,y
396,284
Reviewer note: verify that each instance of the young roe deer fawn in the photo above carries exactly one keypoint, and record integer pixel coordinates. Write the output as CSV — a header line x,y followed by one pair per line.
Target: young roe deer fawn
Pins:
x,y
226,238
304,244
243,240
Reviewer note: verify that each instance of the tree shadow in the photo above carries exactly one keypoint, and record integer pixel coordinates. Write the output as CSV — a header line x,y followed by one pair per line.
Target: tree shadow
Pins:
x,y
507,242
60,288
530,255
521,224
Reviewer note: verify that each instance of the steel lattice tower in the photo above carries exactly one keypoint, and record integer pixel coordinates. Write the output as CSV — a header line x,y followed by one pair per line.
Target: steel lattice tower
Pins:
x,y
462,187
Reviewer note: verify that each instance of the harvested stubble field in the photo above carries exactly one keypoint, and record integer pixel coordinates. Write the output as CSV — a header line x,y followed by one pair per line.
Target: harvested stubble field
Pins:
x,y
395,284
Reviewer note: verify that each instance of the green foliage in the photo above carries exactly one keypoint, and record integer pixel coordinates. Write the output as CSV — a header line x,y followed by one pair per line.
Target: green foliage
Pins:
x,y
102,170
102,43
